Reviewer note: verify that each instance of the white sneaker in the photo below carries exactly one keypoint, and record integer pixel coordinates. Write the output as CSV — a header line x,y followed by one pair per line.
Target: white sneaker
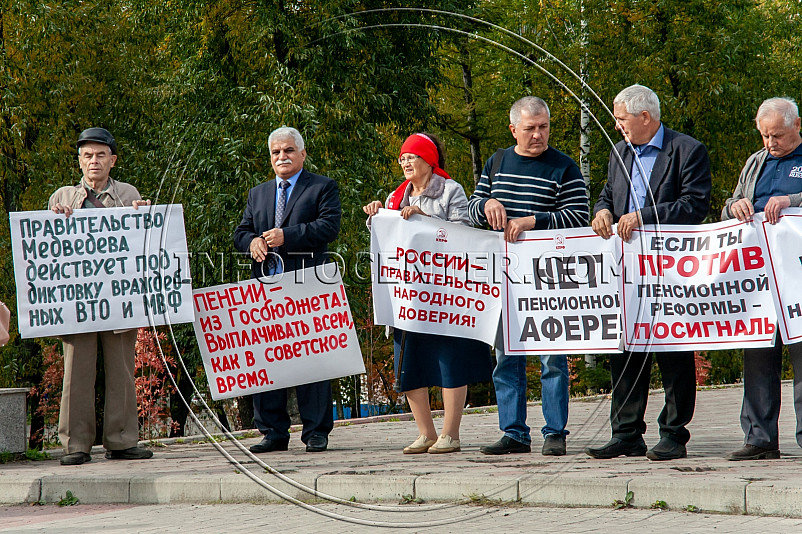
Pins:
x,y
419,446
444,444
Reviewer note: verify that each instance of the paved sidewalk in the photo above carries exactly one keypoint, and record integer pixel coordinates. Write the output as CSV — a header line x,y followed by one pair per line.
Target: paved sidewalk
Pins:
x,y
364,464
288,519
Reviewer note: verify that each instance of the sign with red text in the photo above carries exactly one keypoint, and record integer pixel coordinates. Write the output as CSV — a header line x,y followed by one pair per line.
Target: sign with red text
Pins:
x,y
100,269
434,277
784,269
291,329
695,288
560,294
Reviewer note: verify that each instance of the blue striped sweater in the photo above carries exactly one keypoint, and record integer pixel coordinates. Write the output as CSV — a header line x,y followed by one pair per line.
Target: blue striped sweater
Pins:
x,y
549,187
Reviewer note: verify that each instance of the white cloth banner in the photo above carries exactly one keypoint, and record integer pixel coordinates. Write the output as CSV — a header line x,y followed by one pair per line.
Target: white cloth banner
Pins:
x,y
784,269
561,294
435,277
100,269
290,329
695,288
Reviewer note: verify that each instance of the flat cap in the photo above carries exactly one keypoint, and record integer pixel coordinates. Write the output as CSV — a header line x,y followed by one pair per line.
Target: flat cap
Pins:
x,y
98,135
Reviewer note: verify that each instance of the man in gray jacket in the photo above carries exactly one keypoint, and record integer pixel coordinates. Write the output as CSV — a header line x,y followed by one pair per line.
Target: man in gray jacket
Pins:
x,y
770,181
97,154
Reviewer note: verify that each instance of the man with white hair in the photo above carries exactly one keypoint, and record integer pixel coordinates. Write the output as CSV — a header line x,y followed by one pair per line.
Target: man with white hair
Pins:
x,y
770,181
529,186
664,179
287,225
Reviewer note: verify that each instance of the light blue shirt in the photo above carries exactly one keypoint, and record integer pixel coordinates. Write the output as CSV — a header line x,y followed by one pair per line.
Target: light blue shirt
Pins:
x,y
647,154
292,180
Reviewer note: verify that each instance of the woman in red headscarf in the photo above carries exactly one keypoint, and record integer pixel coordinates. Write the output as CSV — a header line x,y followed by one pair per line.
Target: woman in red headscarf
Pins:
x,y
429,360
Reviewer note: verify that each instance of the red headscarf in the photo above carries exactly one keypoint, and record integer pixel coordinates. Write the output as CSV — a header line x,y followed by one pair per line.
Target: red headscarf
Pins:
x,y
423,146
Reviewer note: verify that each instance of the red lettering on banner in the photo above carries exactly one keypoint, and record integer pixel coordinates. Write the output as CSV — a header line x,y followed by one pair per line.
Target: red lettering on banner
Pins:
x,y
753,258
242,381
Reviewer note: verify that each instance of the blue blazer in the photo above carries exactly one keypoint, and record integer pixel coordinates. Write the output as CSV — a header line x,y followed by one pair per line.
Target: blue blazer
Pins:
x,y
680,183
311,221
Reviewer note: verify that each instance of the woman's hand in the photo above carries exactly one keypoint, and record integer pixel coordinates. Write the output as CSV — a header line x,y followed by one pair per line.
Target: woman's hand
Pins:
x,y
409,210
372,208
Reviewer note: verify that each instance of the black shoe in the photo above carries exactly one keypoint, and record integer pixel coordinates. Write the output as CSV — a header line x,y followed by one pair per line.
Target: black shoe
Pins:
x,y
76,458
554,445
667,449
270,444
133,453
753,452
617,447
506,445
317,443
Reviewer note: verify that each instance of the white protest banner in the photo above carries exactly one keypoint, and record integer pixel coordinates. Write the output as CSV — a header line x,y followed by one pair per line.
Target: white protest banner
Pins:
x,y
695,288
100,269
784,268
290,329
561,294
434,277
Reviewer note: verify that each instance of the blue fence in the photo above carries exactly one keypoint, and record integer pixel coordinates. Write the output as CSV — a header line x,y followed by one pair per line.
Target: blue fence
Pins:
x,y
366,410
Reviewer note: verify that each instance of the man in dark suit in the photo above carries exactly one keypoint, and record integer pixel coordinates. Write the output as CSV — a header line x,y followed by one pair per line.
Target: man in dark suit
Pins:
x,y
667,183
287,225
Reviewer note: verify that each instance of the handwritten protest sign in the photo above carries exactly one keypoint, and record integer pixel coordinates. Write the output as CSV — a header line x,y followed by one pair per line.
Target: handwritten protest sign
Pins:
x,y
435,277
694,288
784,269
295,328
561,294
100,269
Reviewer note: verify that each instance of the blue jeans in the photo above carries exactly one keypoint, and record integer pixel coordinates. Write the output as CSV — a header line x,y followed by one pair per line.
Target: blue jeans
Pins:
x,y
509,378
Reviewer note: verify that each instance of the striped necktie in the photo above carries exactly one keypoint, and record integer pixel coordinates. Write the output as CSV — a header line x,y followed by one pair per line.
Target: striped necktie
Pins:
x,y
282,202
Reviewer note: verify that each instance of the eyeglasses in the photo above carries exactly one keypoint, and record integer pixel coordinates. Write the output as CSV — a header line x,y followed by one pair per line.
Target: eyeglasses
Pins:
x,y
407,159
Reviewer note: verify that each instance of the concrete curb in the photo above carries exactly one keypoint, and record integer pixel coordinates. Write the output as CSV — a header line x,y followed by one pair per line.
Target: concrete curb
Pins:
x,y
729,497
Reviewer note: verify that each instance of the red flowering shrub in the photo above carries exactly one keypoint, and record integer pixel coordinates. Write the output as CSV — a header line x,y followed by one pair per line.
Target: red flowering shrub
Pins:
x,y
153,386
49,391
703,367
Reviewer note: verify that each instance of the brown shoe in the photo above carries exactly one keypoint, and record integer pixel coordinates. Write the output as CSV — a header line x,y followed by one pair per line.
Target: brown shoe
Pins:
x,y
419,446
753,452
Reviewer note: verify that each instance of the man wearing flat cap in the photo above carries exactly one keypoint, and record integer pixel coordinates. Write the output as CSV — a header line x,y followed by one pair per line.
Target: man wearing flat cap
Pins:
x,y
97,154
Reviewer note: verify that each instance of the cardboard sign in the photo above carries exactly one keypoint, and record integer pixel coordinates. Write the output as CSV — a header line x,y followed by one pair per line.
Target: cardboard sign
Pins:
x,y
100,269
282,331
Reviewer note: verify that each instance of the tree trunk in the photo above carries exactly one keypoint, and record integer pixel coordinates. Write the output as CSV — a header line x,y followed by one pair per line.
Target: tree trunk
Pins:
x,y
356,411
292,407
467,91
584,123
178,410
338,400
245,412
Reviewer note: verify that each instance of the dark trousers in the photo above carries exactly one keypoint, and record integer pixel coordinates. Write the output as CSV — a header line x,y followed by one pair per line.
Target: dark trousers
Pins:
x,y
314,403
760,411
630,372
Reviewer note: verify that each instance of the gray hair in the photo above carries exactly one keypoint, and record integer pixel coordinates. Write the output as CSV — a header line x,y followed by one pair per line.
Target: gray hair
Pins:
x,y
639,98
783,106
532,104
286,132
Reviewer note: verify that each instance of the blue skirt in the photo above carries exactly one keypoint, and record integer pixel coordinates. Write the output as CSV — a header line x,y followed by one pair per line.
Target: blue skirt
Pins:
x,y
443,361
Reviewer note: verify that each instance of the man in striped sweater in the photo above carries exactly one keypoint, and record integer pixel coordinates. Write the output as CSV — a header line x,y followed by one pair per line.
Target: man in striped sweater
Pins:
x,y
535,187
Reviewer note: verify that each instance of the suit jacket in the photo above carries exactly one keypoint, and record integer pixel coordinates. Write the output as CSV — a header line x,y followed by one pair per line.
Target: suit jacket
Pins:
x,y
680,182
311,221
